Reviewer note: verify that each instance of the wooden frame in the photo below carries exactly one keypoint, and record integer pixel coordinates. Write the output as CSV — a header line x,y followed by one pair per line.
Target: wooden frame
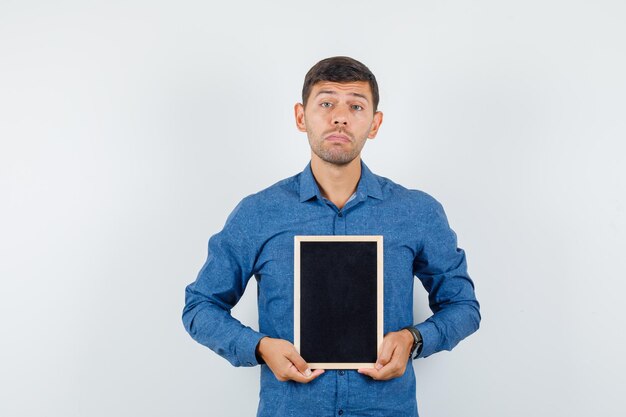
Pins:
x,y
298,302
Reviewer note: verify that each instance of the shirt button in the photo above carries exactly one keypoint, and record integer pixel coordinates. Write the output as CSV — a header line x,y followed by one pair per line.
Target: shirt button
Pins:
x,y
340,412
342,372
340,214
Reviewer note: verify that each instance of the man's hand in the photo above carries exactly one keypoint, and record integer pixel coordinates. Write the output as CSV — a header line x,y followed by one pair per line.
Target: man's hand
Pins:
x,y
393,356
285,362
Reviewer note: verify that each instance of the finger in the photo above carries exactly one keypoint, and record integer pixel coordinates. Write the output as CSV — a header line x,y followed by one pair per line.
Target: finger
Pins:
x,y
387,372
299,363
383,374
315,374
395,367
371,372
295,375
386,352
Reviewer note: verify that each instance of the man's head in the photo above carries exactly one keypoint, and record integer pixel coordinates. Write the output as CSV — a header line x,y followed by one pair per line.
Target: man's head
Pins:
x,y
340,69
339,109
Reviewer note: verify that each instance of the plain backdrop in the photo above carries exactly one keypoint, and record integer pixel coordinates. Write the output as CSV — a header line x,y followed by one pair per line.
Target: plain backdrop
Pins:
x,y
130,129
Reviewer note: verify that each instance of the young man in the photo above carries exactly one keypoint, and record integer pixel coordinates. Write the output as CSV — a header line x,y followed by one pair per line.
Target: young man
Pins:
x,y
336,194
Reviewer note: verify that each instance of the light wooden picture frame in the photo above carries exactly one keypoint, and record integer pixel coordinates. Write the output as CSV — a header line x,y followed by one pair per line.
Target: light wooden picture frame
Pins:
x,y
338,300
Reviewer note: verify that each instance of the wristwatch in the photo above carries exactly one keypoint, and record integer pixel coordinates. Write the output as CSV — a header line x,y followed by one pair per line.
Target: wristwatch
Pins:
x,y
417,341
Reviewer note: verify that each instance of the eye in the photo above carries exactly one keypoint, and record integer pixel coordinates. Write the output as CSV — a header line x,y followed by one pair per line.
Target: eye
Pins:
x,y
357,107
325,104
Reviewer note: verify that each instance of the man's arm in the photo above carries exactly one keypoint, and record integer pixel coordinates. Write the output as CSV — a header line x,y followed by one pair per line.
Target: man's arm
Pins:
x,y
218,287
442,269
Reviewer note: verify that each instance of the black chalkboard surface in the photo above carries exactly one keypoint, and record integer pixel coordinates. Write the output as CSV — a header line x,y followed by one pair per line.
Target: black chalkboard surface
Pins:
x,y
338,300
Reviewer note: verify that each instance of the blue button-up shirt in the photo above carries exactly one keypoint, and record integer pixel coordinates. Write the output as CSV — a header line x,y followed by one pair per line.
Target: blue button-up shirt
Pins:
x,y
258,240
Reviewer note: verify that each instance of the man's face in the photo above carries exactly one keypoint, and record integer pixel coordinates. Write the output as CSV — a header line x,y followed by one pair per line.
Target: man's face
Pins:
x,y
338,119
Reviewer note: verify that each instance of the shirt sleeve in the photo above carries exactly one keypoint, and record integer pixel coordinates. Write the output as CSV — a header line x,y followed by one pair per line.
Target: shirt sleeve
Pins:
x,y
218,287
441,267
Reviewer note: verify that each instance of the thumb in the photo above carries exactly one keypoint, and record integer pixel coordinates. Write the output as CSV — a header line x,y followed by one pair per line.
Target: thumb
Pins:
x,y
299,363
386,351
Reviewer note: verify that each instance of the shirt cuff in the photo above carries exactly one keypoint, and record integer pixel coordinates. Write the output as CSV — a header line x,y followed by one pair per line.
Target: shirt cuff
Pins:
x,y
246,346
430,337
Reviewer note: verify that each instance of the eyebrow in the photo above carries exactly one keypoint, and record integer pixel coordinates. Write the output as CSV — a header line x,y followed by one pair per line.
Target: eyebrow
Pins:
x,y
335,93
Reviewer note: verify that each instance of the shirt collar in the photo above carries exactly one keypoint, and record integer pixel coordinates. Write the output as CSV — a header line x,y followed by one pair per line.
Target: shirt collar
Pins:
x,y
368,185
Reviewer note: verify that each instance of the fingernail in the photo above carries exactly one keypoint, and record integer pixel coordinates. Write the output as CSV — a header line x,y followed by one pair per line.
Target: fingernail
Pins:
x,y
378,366
307,372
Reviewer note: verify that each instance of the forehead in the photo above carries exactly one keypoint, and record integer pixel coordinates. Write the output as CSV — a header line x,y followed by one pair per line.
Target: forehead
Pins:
x,y
352,88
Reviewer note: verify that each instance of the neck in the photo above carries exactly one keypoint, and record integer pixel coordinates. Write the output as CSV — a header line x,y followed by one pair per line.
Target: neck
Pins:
x,y
337,182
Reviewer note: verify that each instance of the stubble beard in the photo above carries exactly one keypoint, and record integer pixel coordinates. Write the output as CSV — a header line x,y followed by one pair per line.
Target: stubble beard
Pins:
x,y
335,154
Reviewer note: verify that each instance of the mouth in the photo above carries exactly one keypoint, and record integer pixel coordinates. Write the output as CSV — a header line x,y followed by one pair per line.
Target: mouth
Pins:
x,y
338,137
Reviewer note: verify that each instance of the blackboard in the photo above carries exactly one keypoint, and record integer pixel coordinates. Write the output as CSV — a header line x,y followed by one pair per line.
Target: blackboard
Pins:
x,y
338,300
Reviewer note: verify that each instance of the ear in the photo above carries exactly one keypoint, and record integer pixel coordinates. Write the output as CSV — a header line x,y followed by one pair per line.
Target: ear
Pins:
x,y
299,113
378,120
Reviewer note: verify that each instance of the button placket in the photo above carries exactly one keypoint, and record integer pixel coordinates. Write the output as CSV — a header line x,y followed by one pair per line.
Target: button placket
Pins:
x,y
340,223
342,391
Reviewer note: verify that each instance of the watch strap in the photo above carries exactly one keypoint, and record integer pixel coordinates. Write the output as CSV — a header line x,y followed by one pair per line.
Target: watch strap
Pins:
x,y
417,341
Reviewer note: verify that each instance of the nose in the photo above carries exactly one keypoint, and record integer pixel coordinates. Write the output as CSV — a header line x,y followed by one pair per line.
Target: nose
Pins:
x,y
340,117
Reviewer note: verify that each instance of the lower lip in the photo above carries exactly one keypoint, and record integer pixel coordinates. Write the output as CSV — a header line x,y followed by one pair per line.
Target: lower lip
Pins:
x,y
337,139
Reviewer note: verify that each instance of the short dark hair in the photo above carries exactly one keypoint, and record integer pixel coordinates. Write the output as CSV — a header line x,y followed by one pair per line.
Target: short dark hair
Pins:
x,y
341,69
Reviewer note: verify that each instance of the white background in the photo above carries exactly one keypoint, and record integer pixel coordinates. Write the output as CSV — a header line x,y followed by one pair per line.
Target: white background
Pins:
x,y
130,129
